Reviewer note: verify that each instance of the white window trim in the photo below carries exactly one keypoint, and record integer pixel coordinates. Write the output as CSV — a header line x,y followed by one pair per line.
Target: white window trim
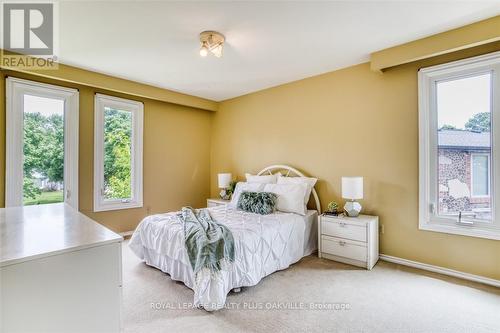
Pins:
x,y
137,110
472,155
15,89
428,146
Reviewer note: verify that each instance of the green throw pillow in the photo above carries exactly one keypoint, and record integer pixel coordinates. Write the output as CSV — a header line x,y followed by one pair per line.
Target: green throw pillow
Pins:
x,y
257,202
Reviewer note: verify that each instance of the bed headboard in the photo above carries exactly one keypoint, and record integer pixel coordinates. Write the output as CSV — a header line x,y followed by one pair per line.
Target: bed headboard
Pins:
x,y
291,172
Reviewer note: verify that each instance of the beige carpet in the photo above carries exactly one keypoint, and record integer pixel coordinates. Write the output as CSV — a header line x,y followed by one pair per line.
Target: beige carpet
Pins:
x,y
390,298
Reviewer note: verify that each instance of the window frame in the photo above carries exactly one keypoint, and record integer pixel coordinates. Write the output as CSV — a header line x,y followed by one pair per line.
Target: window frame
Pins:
x,y
136,108
428,146
488,160
15,90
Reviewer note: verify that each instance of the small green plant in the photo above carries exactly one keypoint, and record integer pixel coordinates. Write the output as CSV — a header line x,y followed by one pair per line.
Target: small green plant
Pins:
x,y
332,207
232,186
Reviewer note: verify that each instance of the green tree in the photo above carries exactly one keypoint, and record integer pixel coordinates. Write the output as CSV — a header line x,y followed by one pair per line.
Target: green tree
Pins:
x,y
448,127
480,122
29,189
33,142
53,149
32,146
117,154
43,150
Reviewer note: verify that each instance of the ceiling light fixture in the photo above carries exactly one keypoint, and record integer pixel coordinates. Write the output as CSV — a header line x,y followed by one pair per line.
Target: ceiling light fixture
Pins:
x,y
212,41
203,50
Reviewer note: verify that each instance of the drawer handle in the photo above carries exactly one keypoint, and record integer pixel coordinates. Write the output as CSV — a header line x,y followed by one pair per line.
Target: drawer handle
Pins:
x,y
342,224
341,243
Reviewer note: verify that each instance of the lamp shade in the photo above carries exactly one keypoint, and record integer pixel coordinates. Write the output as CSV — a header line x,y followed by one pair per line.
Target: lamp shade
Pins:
x,y
224,179
352,188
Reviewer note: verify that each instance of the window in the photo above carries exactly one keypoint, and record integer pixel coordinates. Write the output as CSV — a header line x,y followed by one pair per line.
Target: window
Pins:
x,y
459,109
480,172
118,153
41,144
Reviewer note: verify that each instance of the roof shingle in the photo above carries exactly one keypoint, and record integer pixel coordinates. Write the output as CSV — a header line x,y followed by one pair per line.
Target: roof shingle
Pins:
x,y
463,138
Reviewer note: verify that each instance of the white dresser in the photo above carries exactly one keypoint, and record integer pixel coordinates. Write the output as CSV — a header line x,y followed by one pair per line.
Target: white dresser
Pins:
x,y
216,202
351,240
60,271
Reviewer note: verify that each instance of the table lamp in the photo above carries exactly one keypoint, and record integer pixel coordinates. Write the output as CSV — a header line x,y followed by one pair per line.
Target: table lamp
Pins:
x,y
224,182
352,189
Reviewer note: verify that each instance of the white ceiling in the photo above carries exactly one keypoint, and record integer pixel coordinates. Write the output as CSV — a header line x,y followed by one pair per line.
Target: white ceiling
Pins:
x,y
268,43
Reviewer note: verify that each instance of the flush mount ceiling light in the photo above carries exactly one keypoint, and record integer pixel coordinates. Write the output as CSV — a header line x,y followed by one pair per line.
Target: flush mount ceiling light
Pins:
x,y
211,41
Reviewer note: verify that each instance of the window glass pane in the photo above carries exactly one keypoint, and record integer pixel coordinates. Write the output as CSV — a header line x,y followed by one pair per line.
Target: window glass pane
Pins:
x,y
480,175
464,147
117,154
43,149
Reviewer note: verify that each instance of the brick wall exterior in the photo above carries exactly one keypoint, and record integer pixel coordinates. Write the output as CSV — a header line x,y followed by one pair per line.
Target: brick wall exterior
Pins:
x,y
454,178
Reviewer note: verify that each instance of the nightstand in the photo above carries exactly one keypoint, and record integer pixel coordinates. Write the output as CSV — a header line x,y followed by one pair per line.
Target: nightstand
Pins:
x,y
216,202
351,240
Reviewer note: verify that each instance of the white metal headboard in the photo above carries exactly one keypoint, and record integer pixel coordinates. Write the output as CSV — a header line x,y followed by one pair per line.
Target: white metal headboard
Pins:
x,y
290,172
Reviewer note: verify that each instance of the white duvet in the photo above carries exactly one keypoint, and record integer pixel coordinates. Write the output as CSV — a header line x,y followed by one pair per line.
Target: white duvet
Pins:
x,y
263,244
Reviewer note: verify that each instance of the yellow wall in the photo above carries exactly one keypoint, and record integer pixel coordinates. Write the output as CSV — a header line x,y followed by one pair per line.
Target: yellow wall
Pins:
x,y
176,156
475,34
352,121
79,76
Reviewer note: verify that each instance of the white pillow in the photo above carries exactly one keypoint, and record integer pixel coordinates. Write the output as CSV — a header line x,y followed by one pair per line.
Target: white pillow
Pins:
x,y
310,182
244,187
267,179
290,197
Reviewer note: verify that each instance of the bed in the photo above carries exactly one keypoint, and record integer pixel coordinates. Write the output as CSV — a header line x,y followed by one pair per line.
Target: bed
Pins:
x,y
263,244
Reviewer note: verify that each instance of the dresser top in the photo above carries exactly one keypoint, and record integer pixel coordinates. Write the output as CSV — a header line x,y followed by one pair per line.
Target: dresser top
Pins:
x,y
32,232
361,218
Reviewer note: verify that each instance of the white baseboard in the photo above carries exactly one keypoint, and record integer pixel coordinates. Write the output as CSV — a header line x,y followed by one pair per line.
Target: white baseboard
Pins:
x,y
126,233
441,270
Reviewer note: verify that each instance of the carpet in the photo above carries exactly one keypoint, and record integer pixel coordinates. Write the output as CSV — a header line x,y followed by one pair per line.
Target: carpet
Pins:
x,y
314,295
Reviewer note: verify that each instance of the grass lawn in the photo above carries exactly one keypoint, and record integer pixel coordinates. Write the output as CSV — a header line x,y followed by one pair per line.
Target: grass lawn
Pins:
x,y
45,198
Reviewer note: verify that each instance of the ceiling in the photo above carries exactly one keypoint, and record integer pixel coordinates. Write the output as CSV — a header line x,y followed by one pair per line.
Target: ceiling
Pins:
x,y
267,43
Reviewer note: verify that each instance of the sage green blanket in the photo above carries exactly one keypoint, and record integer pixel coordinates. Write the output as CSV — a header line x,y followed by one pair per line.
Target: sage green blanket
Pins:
x,y
209,244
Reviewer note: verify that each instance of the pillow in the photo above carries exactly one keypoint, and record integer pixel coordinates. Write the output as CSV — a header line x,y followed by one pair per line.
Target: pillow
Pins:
x,y
262,203
241,187
290,197
310,182
267,179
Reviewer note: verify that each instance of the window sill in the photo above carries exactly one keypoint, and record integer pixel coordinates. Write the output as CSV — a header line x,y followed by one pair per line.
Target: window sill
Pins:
x,y
116,206
471,231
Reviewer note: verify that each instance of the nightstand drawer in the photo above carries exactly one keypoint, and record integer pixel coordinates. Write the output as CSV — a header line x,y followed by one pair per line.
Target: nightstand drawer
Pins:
x,y
343,248
338,228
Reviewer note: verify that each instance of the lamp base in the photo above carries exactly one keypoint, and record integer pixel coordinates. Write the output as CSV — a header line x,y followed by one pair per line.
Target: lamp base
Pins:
x,y
224,195
352,208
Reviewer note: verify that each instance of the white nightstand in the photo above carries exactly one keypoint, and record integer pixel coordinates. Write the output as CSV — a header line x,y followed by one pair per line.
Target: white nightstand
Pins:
x,y
214,202
351,240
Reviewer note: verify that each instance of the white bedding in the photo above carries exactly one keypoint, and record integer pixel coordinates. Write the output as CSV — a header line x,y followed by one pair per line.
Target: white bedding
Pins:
x,y
263,244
